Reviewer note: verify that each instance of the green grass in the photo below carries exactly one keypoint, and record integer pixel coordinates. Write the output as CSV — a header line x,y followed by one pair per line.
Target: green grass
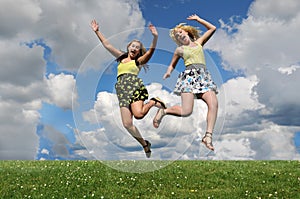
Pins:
x,y
180,179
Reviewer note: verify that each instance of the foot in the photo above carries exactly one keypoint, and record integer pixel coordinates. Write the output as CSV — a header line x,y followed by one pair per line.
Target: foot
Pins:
x,y
158,117
147,149
207,140
158,102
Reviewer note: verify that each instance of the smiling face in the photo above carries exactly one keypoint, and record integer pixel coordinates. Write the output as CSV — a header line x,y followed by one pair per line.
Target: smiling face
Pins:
x,y
182,36
134,48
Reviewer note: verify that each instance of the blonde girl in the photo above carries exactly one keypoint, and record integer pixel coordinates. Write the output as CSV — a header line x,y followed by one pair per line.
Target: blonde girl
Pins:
x,y
195,81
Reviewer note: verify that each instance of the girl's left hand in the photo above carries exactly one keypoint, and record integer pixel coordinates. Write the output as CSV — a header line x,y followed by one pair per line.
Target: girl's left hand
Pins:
x,y
153,30
94,25
166,75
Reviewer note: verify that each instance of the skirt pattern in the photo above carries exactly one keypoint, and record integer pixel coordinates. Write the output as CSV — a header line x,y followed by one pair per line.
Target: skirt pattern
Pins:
x,y
130,89
195,79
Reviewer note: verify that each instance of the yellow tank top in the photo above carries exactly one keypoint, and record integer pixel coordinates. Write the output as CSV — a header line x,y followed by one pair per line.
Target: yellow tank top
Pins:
x,y
128,67
193,55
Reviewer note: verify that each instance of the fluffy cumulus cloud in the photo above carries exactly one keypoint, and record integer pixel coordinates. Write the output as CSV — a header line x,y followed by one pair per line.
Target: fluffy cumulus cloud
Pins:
x,y
267,38
61,89
62,26
21,78
262,110
170,141
243,136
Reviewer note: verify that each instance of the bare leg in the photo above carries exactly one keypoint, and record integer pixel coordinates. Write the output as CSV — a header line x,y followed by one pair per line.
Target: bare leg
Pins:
x,y
211,100
126,116
186,109
139,109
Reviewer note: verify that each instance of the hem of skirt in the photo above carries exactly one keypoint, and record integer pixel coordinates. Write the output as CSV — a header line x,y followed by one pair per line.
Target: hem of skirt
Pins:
x,y
200,92
133,102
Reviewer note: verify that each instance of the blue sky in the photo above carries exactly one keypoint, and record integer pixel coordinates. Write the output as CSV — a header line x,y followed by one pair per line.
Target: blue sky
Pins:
x,y
57,98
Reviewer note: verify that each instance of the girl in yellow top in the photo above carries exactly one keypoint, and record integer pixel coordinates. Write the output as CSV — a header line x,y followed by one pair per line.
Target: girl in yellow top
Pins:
x,y
195,80
130,89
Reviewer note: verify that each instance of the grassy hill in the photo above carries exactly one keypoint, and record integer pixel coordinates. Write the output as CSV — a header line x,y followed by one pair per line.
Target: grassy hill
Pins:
x,y
180,179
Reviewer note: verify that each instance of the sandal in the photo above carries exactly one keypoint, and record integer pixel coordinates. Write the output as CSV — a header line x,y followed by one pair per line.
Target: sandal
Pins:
x,y
207,140
158,117
148,152
161,103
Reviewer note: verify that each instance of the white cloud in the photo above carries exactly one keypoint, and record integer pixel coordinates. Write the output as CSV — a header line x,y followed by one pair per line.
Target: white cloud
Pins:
x,y
64,27
246,135
240,95
281,10
21,87
267,38
19,112
288,70
256,105
18,16
18,130
45,151
21,65
59,142
249,132
265,46
262,107
273,142
62,90
172,136
234,148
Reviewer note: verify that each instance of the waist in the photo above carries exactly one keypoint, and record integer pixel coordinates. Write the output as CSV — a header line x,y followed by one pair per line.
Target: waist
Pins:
x,y
195,66
126,75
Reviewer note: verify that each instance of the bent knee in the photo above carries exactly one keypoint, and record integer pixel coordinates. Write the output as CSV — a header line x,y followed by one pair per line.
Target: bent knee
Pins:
x,y
186,113
138,115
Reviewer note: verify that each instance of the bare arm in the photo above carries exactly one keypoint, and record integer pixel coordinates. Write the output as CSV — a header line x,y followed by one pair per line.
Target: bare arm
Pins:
x,y
174,61
146,57
115,52
210,29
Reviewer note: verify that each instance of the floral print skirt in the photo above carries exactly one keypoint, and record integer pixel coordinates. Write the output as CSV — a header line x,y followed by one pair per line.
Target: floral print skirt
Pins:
x,y
195,79
130,89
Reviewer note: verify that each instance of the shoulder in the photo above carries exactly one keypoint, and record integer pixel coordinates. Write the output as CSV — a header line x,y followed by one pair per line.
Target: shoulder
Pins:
x,y
179,50
199,41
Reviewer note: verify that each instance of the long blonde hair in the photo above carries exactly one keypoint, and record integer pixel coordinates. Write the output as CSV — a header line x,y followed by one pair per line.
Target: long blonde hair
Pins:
x,y
193,32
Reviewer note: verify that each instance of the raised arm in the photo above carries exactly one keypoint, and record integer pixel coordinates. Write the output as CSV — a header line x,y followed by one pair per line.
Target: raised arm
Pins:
x,y
210,29
146,57
115,52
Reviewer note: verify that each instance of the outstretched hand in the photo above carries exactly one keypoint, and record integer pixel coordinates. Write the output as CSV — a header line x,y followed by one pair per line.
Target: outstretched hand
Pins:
x,y
193,17
94,25
153,30
166,75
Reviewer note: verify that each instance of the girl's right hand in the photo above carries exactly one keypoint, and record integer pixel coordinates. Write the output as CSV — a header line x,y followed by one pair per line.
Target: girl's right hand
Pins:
x,y
166,75
153,30
94,25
